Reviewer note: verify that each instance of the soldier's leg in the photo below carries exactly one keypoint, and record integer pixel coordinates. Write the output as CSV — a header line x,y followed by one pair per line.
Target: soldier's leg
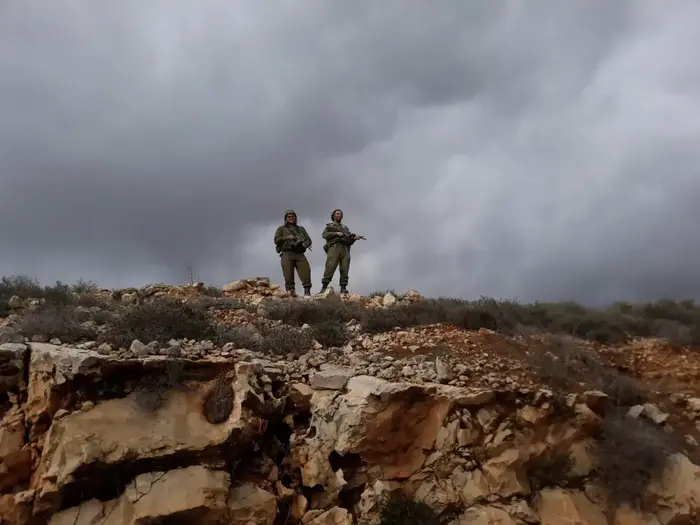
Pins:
x,y
304,270
331,265
344,264
288,264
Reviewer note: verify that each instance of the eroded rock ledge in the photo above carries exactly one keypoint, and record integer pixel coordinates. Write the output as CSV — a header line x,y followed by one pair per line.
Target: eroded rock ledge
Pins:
x,y
92,439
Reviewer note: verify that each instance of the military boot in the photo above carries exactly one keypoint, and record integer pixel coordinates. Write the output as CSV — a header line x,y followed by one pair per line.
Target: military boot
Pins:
x,y
324,287
292,293
344,290
307,290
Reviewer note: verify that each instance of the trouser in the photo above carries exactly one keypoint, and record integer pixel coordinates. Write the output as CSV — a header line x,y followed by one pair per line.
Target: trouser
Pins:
x,y
295,261
338,255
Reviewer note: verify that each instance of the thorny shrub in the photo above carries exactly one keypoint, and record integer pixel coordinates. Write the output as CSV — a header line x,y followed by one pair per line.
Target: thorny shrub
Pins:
x,y
60,293
330,334
279,340
65,322
396,508
160,320
676,321
549,470
240,336
329,310
564,364
631,454
282,340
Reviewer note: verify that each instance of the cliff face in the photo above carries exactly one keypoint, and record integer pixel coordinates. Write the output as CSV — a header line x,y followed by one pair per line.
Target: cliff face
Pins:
x,y
235,436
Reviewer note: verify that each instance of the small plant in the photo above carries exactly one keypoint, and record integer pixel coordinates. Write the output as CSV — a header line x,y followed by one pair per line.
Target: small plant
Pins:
x,y
398,509
218,402
549,470
160,320
631,454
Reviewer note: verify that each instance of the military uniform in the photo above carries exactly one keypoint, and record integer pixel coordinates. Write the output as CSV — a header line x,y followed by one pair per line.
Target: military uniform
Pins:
x,y
292,253
337,250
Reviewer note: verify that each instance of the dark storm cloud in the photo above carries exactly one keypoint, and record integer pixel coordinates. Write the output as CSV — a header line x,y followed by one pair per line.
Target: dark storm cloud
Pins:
x,y
541,151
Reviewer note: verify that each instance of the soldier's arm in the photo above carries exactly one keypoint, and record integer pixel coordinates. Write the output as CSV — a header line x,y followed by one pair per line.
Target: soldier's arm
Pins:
x,y
327,233
279,235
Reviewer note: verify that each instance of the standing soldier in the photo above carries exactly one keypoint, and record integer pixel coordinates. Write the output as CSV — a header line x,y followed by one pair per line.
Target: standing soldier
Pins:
x,y
291,241
338,239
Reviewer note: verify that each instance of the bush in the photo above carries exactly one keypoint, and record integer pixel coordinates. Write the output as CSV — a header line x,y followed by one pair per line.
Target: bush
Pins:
x,y
239,336
67,323
160,320
631,453
564,364
330,309
398,509
21,286
549,470
282,340
330,334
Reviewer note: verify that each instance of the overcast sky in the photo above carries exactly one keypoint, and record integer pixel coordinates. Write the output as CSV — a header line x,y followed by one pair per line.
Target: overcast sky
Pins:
x,y
531,150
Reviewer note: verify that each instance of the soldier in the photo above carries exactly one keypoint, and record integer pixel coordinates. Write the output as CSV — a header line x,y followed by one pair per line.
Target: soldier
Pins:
x,y
338,239
291,241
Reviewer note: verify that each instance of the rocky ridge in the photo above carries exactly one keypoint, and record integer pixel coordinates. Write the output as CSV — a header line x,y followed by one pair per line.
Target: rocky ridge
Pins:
x,y
462,422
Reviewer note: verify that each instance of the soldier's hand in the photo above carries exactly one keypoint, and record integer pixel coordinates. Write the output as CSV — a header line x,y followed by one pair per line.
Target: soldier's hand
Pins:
x,y
289,238
339,234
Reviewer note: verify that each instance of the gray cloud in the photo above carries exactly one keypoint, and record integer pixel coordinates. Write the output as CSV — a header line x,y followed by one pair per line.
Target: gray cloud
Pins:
x,y
542,152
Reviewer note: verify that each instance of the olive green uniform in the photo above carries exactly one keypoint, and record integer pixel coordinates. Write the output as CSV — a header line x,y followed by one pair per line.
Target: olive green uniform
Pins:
x,y
292,254
337,249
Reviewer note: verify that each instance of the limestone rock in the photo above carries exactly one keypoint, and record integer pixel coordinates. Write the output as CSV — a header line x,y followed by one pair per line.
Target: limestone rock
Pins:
x,y
189,495
331,378
115,431
251,505
556,506
334,516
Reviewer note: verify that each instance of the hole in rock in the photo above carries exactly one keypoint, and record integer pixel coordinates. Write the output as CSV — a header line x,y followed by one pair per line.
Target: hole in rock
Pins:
x,y
302,419
348,498
349,462
283,511
312,432
256,462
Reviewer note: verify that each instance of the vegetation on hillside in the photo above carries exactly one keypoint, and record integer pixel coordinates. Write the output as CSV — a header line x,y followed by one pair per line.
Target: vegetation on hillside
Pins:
x,y
677,321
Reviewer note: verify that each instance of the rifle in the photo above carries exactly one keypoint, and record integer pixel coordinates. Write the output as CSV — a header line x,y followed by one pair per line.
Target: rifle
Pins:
x,y
299,239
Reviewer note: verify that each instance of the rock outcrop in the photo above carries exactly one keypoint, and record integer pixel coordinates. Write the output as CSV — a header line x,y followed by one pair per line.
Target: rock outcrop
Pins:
x,y
91,437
